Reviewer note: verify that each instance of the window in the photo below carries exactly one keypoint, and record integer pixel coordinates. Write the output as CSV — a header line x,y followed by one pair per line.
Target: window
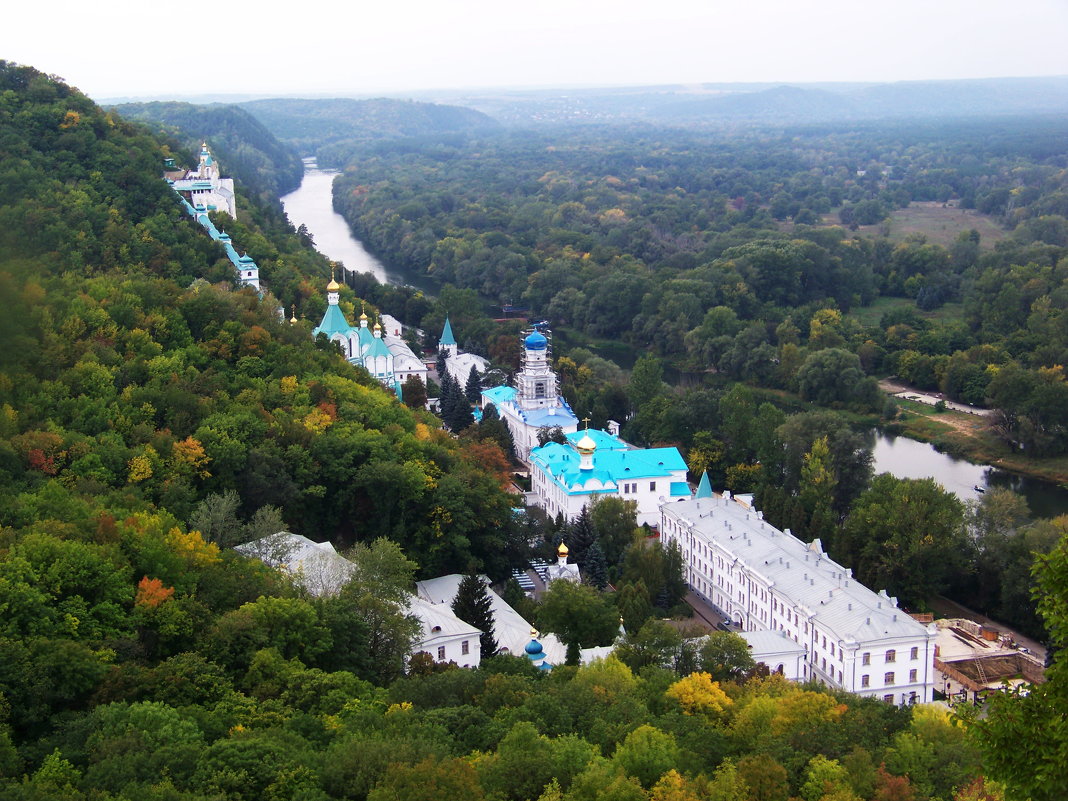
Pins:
x,y
441,652
865,681
912,677
539,390
464,648
865,659
888,679
891,655
888,698
652,486
914,653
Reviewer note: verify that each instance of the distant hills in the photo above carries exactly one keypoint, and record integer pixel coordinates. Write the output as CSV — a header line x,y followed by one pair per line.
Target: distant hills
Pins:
x,y
246,149
311,124
718,103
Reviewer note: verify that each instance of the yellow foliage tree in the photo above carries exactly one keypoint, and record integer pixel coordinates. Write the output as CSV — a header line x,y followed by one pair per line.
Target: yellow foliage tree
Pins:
x,y
697,694
140,469
189,457
191,545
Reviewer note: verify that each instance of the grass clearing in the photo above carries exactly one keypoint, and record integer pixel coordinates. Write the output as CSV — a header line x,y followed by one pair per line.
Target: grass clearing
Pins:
x,y
871,315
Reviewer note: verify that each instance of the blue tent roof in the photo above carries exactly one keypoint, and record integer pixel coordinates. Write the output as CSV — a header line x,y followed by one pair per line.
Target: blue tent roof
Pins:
x,y
704,489
446,334
334,322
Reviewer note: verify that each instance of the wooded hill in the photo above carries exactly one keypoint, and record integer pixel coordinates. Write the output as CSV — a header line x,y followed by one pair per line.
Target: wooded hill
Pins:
x,y
264,167
309,124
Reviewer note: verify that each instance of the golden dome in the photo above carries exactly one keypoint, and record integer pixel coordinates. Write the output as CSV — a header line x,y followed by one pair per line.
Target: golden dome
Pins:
x,y
586,444
333,286
562,550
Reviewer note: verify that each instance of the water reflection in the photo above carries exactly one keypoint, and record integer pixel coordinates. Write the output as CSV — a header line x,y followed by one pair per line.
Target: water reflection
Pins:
x,y
907,458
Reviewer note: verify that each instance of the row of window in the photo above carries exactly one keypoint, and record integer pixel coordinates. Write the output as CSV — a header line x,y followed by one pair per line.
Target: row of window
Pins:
x,y
890,656
888,679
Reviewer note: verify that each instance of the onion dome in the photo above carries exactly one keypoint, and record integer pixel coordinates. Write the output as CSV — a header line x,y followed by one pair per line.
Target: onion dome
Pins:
x,y
562,550
333,286
586,445
293,319
535,341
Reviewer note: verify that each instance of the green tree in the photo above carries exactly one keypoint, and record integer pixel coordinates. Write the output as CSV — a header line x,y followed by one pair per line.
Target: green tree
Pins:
x,y
647,753
906,535
472,605
725,656
578,614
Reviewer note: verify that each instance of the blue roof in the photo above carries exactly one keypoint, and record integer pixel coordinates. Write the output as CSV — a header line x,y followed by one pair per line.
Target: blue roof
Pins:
x,y
603,440
334,322
378,348
609,467
680,489
446,334
503,394
559,416
535,341
704,489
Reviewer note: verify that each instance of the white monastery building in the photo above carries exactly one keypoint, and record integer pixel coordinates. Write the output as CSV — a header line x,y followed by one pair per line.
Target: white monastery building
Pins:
x,y
764,579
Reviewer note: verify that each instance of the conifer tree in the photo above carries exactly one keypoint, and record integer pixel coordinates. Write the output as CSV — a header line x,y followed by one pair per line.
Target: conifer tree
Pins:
x,y
413,390
491,426
473,388
596,570
448,397
441,366
580,537
472,605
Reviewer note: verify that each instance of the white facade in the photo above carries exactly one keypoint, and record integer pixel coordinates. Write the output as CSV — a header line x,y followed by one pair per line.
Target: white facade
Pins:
x,y
444,636
405,362
764,579
780,653
203,187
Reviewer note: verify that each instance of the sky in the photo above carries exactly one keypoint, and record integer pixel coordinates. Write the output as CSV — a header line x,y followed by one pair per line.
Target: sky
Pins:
x,y
147,48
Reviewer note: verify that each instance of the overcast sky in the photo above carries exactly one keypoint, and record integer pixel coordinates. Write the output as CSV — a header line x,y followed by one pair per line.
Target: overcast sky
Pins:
x,y
145,48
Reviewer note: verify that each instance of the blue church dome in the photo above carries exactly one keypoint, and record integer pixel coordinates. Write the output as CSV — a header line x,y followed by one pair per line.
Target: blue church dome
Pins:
x,y
535,341
533,647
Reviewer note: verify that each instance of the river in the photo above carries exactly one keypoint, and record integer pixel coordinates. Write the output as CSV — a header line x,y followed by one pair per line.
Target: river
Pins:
x,y
907,458
312,205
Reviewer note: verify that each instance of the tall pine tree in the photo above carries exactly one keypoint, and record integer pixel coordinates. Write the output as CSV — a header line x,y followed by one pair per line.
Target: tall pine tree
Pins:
x,y
472,605
579,537
473,388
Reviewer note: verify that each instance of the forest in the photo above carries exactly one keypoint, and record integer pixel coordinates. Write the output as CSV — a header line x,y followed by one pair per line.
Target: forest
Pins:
x,y
153,415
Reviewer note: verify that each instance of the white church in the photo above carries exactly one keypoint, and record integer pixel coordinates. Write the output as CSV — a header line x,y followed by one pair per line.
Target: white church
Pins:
x,y
534,402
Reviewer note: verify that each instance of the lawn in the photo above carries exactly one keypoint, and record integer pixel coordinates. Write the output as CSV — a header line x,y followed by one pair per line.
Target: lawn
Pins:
x,y
871,315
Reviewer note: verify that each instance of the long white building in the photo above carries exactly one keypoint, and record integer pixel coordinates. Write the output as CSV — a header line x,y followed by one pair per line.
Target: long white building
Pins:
x,y
766,579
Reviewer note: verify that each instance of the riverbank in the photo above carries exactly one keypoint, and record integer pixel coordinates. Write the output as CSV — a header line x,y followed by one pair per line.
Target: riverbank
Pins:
x,y
970,437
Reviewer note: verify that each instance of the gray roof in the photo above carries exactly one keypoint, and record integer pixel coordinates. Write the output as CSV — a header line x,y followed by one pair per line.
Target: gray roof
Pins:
x,y
800,571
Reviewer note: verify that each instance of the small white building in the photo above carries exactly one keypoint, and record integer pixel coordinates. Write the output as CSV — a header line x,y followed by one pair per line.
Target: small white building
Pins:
x,y
321,570
593,464
780,653
512,632
764,579
205,187
405,362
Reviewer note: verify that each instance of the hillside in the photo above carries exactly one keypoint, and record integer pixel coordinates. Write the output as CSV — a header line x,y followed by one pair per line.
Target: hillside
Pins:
x,y
264,167
310,124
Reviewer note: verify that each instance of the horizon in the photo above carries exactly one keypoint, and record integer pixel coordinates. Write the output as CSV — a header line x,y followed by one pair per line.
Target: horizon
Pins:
x,y
425,48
